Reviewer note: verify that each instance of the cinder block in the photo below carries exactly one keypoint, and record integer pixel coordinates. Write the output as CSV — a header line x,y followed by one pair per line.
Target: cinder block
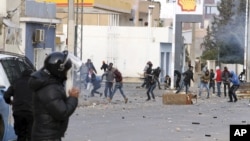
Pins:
x,y
177,99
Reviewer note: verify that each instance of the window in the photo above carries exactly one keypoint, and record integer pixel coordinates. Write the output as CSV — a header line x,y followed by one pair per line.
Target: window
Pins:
x,y
13,67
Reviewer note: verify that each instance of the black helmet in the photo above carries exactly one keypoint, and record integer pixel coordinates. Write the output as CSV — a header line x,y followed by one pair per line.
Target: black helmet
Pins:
x,y
58,63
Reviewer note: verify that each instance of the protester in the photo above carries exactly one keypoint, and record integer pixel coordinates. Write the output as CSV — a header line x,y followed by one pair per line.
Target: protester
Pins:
x,y
19,96
188,76
167,82
204,83
242,76
151,86
211,81
52,106
178,79
109,76
146,72
156,73
90,65
235,85
83,75
94,82
218,79
119,84
104,66
225,78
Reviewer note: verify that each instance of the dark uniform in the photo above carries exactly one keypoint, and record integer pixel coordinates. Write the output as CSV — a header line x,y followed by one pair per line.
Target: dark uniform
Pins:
x,y
22,106
52,107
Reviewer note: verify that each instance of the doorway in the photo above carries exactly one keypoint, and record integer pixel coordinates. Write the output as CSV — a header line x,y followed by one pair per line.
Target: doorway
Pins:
x,y
165,53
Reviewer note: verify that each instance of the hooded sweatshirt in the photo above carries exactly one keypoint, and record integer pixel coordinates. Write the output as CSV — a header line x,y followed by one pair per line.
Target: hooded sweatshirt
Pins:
x,y
234,78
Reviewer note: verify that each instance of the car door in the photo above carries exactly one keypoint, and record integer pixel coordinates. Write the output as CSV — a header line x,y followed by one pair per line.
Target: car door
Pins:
x,y
10,69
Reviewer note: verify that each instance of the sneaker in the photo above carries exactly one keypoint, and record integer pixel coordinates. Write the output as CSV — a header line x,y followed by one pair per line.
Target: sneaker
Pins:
x,y
230,101
148,99
126,100
235,100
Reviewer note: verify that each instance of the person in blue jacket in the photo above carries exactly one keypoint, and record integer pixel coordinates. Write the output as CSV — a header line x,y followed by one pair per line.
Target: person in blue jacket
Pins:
x,y
236,84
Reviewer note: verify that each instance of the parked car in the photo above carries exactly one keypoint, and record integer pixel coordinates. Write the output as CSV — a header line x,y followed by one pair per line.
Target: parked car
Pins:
x,y
11,67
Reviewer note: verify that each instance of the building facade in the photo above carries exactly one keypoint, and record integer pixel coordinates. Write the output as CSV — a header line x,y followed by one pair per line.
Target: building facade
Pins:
x,y
28,28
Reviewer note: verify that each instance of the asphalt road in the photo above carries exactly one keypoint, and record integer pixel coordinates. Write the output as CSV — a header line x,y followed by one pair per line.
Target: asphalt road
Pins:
x,y
206,120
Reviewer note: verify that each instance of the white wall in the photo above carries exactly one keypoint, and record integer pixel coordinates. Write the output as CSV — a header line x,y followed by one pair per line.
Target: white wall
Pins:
x,y
3,8
129,48
2,14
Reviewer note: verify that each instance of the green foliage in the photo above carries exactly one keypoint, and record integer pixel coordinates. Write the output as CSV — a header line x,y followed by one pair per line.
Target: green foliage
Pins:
x,y
208,42
226,35
211,54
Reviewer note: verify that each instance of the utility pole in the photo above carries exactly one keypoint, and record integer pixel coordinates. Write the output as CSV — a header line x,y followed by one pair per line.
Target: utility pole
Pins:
x,y
71,39
247,43
173,44
71,26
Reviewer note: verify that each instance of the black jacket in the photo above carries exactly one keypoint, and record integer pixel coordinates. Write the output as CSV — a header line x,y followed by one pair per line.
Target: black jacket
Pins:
x,y
52,108
22,96
104,67
188,76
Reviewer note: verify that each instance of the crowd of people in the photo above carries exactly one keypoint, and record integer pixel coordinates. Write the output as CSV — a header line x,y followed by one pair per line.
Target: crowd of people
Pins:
x,y
229,79
111,76
209,79
151,79
42,106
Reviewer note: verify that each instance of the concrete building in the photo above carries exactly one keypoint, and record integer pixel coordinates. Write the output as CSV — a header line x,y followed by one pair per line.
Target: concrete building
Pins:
x,y
29,28
140,18
109,41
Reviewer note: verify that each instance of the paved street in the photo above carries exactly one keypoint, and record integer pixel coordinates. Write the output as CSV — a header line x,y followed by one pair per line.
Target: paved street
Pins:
x,y
206,120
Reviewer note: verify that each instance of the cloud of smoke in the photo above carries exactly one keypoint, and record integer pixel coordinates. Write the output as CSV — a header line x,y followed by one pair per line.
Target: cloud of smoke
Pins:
x,y
233,36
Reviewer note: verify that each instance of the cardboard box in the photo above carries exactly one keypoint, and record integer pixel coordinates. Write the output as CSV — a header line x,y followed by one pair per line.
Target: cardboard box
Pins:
x,y
177,99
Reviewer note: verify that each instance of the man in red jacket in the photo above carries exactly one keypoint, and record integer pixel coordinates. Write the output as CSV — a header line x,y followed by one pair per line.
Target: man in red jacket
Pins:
x,y
218,80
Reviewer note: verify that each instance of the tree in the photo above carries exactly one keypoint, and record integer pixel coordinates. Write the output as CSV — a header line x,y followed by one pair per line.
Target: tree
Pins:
x,y
208,42
209,46
227,33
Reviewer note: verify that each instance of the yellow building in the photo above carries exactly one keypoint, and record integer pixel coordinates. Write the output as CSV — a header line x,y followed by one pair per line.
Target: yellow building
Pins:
x,y
110,12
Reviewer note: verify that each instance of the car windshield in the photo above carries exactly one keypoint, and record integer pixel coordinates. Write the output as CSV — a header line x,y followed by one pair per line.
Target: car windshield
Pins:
x,y
14,66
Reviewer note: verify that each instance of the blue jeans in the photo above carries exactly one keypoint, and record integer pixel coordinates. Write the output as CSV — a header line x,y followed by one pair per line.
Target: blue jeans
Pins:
x,y
204,85
95,88
118,86
151,90
108,87
186,84
218,84
84,80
